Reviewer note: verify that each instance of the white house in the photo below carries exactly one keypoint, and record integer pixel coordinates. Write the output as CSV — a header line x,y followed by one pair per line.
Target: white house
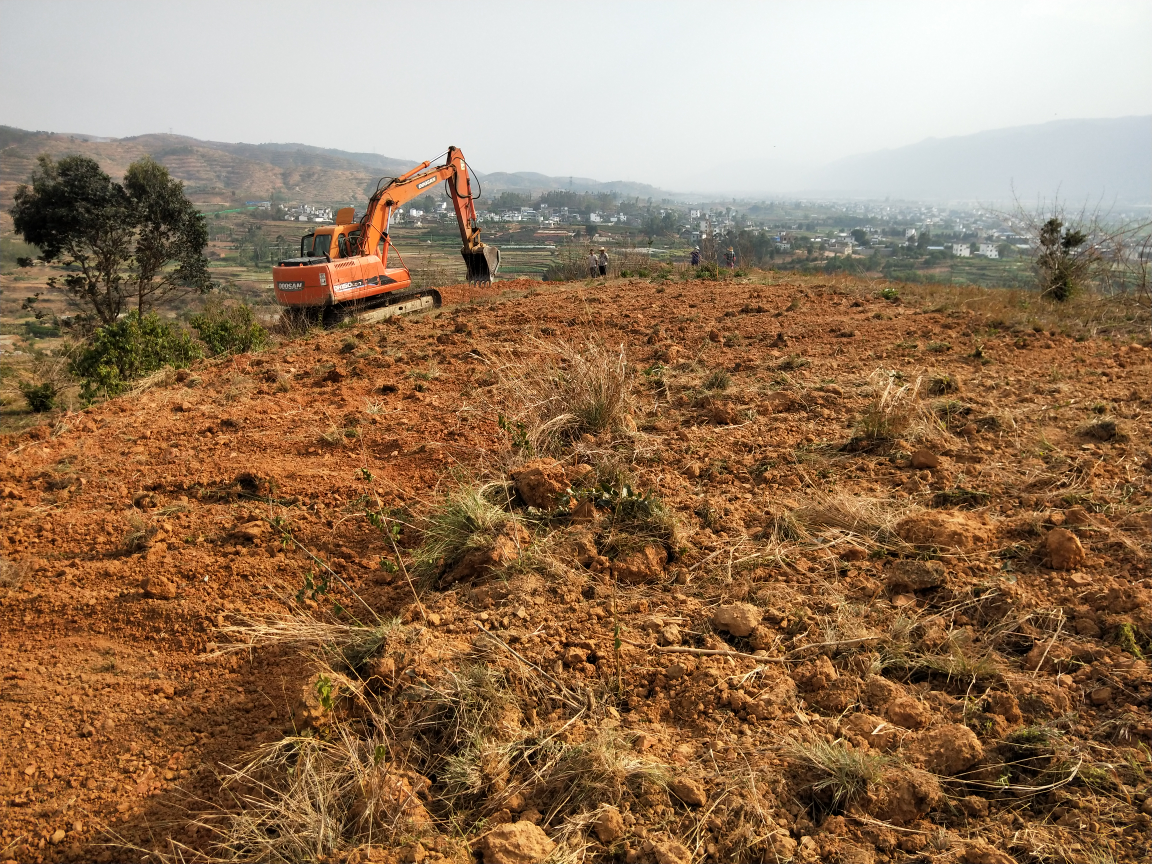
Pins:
x,y
988,250
962,250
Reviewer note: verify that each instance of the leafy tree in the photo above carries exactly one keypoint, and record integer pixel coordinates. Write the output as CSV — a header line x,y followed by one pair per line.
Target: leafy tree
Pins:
x,y
75,213
136,242
509,201
590,229
170,237
859,237
130,348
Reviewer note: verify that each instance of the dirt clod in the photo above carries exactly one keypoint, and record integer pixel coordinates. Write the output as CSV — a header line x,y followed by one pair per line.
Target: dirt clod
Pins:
x,y
1065,552
516,843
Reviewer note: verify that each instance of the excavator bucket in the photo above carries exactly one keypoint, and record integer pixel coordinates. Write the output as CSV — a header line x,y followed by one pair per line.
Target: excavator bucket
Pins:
x,y
482,262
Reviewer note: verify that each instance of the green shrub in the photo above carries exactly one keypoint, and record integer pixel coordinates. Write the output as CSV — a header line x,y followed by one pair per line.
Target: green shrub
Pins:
x,y
130,348
229,329
41,397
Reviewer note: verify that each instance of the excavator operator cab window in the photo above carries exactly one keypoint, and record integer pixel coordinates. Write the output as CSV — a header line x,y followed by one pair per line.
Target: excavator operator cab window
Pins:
x,y
342,243
315,245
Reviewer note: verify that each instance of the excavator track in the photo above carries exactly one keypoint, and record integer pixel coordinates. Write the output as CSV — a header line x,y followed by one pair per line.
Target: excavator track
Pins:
x,y
383,306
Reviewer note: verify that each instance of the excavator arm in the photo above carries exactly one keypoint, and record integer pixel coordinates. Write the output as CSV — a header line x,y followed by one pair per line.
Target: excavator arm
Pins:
x,y
481,261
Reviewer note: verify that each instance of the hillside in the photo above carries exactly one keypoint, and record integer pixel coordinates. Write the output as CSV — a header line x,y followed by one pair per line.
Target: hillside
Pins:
x,y
1083,160
769,569
293,172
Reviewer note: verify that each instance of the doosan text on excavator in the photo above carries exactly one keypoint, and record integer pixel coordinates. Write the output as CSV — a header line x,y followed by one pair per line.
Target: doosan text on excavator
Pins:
x,y
344,268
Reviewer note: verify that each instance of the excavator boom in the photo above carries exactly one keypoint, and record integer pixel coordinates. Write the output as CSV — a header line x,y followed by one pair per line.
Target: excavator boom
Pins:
x,y
481,261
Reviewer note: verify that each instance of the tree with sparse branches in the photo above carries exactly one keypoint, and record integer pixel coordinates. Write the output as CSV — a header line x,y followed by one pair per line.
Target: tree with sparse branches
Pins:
x,y
129,244
1064,260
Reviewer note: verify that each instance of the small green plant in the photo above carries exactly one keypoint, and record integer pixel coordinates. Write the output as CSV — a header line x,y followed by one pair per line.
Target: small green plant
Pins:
x,y
708,272
1126,639
41,397
939,347
516,430
733,340
314,586
229,329
325,692
941,385
128,349
889,294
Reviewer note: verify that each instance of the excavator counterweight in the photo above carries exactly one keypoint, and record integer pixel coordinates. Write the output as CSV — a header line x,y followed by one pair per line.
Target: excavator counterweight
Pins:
x,y
345,268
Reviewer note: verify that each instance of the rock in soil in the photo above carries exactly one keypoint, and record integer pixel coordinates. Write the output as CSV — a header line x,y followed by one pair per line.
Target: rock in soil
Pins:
x,y
908,575
739,619
642,565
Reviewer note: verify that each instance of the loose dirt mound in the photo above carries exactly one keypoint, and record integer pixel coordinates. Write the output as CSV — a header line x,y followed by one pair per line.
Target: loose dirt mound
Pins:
x,y
655,572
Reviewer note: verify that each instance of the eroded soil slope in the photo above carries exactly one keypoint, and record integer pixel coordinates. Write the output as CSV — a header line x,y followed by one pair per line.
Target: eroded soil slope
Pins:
x,y
845,580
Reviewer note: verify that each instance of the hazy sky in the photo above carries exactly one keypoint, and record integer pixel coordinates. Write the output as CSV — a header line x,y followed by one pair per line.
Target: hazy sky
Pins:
x,y
664,93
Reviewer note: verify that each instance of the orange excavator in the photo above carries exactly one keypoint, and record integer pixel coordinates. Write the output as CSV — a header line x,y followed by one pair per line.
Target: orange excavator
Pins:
x,y
344,268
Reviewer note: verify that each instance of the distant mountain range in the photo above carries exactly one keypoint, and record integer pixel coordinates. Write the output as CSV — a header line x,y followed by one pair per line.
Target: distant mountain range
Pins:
x,y
1090,161
1094,161
257,171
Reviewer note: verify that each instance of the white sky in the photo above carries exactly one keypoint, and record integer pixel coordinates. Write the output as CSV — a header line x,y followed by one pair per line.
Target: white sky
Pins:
x,y
657,92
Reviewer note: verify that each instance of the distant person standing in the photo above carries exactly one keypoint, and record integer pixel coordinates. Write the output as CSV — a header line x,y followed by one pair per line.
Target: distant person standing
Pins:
x,y
695,259
730,259
602,262
593,265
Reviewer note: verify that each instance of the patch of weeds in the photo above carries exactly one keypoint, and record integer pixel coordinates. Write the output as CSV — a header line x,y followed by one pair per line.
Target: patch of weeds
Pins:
x,y
579,392
429,374
907,345
718,381
516,430
960,497
139,535
952,411
40,397
1105,430
889,294
941,385
1126,639
887,417
733,340
793,362
939,347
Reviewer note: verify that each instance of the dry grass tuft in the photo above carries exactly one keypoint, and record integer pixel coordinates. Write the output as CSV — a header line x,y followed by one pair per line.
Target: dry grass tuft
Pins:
x,y
469,519
841,774
568,392
441,751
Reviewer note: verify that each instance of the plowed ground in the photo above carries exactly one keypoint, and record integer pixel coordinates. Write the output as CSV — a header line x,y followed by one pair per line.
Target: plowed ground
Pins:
x,y
1015,686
